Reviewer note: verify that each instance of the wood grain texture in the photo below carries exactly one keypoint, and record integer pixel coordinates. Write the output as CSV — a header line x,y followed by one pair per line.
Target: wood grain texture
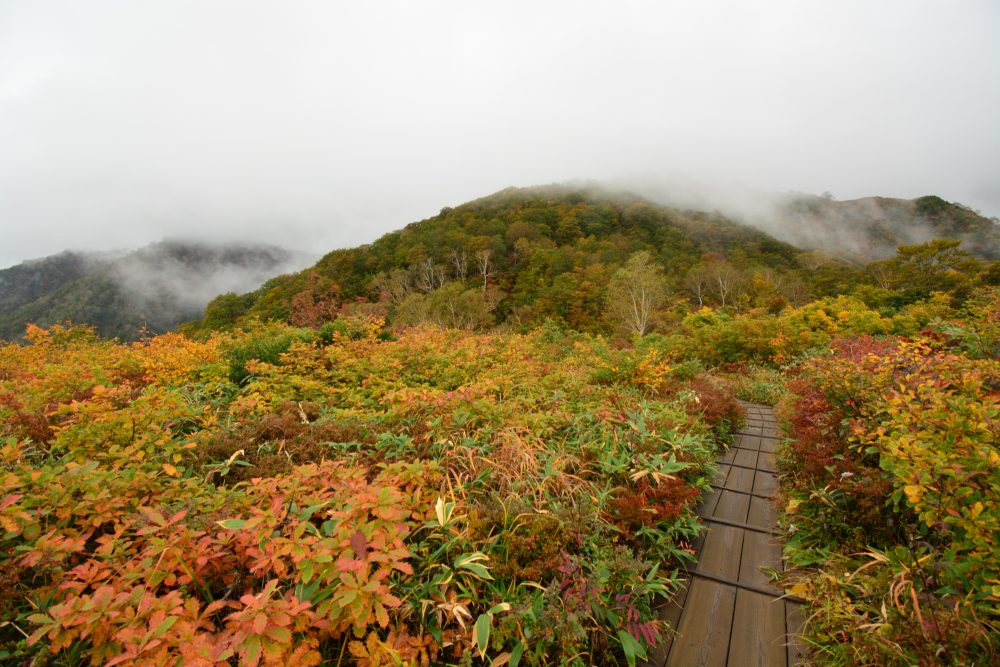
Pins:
x,y
728,623
703,635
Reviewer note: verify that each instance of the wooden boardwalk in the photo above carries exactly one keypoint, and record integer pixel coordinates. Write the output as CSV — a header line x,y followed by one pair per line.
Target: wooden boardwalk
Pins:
x,y
729,613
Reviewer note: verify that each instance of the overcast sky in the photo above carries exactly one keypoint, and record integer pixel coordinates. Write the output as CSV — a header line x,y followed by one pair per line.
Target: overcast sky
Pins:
x,y
323,124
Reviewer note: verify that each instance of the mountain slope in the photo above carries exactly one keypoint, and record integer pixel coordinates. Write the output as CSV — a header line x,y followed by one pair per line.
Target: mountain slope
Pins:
x,y
28,281
530,253
872,227
153,288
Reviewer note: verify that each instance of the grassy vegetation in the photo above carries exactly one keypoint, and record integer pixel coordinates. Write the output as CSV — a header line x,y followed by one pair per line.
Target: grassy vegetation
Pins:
x,y
892,491
350,495
287,495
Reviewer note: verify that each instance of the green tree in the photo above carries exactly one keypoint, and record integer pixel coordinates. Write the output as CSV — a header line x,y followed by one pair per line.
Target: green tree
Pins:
x,y
635,292
223,311
936,266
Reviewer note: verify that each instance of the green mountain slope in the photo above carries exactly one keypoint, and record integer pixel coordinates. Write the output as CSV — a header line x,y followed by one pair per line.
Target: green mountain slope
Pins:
x,y
28,281
529,253
153,288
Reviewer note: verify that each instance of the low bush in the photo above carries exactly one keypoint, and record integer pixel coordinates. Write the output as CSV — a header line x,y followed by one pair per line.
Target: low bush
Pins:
x,y
893,498
274,496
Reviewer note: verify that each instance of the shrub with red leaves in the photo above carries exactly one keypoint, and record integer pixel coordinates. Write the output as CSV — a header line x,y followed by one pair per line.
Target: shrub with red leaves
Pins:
x,y
648,504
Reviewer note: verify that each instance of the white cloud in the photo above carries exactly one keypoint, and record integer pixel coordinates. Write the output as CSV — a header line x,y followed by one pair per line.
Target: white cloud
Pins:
x,y
323,124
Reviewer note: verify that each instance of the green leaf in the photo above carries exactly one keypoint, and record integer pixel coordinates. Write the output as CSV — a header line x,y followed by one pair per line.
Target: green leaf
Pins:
x,y
278,634
515,655
309,511
232,524
251,650
482,635
164,625
478,570
631,647
465,559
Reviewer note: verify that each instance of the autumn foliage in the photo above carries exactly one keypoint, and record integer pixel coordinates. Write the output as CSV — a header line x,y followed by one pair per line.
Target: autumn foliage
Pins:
x,y
894,493
292,496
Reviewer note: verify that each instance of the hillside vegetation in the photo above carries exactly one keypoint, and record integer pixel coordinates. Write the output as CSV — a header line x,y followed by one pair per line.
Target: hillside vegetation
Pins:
x,y
893,493
429,498
516,257
287,494
411,455
151,289
524,255
872,228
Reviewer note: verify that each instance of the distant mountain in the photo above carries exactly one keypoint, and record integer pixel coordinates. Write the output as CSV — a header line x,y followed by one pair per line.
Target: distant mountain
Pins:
x,y
873,227
153,288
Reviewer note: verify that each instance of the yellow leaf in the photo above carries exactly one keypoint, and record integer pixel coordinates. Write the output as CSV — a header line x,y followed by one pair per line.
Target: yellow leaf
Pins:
x,y
799,591
170,470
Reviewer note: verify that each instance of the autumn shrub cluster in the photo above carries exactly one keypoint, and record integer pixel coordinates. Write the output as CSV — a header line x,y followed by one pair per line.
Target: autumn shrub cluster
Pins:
x,y
893,494
294,496
757,336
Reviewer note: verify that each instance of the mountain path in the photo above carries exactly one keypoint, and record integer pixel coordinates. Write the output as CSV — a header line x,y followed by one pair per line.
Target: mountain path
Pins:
x,y
728,613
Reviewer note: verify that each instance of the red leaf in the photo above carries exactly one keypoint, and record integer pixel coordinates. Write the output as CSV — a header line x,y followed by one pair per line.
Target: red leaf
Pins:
x,y
10,500
360,545
349,565
260,623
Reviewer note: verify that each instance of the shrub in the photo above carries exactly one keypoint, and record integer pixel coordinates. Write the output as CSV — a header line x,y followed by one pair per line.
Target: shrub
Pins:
x,y
893,490
352,495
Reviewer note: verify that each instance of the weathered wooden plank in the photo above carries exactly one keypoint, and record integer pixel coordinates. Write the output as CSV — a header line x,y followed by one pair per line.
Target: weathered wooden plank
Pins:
x,y
746,457
721,623
795,647
711,502
740,479
758,632
737,524
703,636
721,473
750,442
721,552
750,493
765,483
732,506
761,513
759,550
765,461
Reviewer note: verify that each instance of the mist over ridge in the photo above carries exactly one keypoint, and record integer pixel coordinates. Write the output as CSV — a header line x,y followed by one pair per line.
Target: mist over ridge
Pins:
x,y
124,123
861,229
153,288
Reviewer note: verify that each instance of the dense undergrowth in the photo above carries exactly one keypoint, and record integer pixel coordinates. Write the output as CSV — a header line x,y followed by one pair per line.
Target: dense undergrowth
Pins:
x,y
291,496
893,493
353,493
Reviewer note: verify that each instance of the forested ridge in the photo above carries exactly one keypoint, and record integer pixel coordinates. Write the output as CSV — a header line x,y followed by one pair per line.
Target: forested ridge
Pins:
x,y
872,228
523,255
122,294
